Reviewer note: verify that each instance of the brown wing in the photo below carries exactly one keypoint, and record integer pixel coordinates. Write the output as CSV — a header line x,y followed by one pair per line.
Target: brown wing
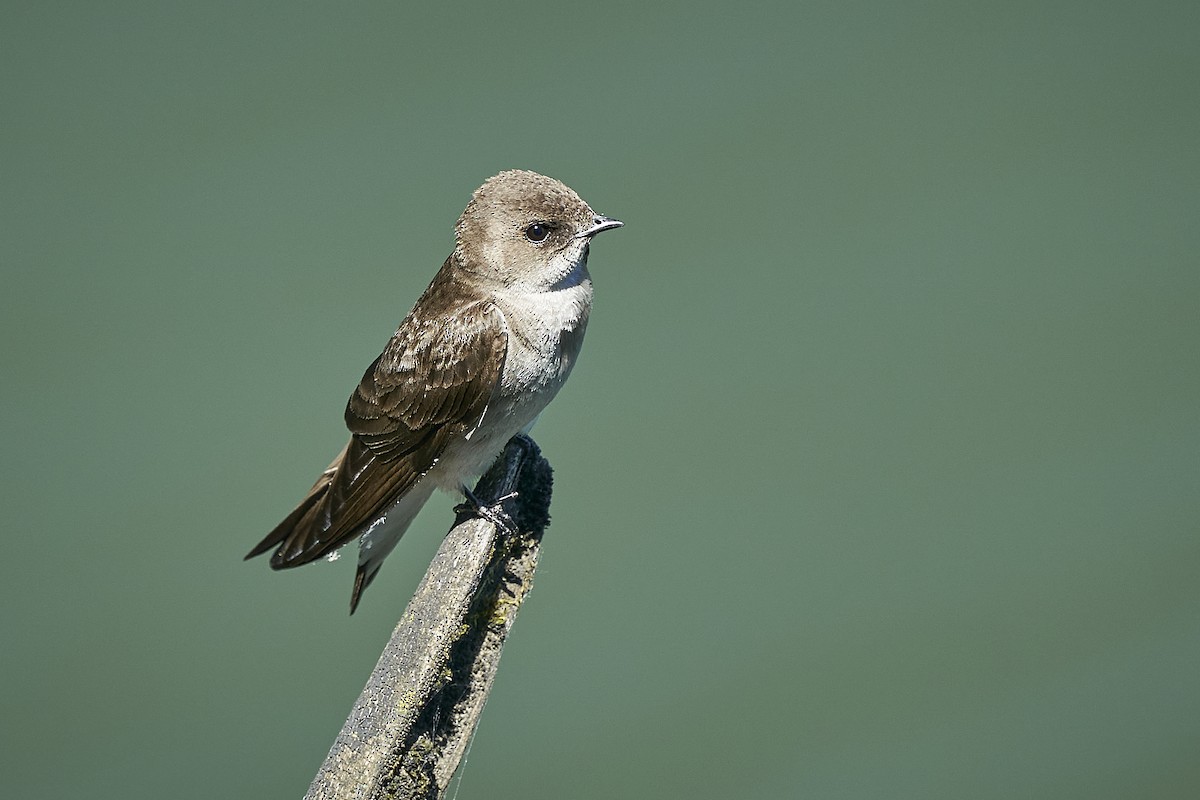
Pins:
x,y
430,386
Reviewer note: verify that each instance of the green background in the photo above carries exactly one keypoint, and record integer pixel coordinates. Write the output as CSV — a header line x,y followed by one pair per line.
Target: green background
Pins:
x,y
878,476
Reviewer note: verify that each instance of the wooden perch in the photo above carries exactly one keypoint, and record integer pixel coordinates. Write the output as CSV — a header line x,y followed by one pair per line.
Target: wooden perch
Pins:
x,y
412,723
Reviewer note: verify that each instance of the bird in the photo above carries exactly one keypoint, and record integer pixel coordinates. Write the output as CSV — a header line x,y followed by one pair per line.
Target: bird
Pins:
x,y
482,352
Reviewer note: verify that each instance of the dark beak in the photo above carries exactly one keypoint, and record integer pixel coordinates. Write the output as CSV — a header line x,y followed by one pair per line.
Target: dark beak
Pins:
x,y
602,223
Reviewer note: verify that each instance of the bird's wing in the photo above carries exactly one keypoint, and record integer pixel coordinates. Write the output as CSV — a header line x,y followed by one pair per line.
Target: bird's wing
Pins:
x,y
429,387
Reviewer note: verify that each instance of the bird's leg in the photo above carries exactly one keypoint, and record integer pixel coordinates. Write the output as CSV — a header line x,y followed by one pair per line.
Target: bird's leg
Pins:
x,y
494,513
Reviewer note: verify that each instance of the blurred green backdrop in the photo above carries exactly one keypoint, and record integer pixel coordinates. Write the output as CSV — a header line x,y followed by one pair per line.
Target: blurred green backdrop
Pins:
x,y
878,476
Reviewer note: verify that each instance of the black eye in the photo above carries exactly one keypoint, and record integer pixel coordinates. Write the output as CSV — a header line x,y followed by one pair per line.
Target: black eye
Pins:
x,y
537,232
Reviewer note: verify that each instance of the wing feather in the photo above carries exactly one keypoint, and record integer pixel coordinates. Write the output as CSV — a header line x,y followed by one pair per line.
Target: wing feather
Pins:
x,y
430,386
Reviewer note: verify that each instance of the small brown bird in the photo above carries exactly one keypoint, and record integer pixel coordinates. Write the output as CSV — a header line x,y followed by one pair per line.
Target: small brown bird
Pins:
x,y
483,351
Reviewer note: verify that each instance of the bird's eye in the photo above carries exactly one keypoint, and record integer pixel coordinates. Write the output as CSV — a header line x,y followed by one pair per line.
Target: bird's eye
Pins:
x,y
537,232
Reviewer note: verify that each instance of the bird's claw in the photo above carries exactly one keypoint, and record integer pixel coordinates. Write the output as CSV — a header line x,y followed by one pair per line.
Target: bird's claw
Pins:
x,y
493,513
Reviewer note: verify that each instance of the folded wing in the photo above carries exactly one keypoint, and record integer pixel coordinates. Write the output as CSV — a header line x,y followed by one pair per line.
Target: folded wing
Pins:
x,y
430,386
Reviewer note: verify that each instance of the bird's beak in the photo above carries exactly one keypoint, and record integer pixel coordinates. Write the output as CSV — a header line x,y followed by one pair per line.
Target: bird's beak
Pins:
x,y
602,223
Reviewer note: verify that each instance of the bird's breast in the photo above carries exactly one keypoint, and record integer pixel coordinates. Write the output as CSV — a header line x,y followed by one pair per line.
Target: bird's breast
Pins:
x,y
545,333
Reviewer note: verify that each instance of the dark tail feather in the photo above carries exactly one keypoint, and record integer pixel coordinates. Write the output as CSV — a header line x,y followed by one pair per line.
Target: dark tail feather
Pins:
x,y
361,581
283,530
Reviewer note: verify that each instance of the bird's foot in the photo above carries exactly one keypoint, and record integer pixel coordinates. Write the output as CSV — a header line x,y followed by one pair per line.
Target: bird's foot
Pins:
x,y
493,513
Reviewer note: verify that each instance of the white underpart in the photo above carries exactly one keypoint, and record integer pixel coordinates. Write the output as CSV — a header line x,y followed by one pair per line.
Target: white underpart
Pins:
x,y
384,532
536,366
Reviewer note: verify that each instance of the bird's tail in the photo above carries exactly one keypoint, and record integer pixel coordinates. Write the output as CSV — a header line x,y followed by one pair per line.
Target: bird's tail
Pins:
x,y
381,536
